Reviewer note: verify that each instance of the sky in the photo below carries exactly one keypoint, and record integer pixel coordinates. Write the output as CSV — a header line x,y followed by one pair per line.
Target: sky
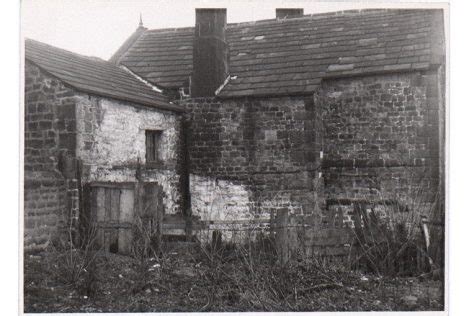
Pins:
x,y
99,27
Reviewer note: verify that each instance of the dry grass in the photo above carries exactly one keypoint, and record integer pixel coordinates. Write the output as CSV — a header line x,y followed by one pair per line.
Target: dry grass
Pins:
x,y
389,232
228,278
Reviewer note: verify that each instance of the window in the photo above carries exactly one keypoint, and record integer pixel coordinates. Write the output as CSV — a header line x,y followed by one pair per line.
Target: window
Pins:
x,y
152,143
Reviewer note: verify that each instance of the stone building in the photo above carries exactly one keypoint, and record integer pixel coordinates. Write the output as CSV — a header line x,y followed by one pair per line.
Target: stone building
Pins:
x,y
308,113
92,130
304,112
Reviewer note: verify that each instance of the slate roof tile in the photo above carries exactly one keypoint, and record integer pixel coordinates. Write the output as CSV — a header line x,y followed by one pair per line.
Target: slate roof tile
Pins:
x,y
93,75
292,55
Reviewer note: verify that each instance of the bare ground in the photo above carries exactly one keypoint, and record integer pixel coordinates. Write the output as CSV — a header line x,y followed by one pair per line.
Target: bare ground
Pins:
x,y
185,281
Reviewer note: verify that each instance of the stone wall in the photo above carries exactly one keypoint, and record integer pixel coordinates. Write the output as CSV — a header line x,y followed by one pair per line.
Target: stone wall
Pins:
x,y
382,139
65,129
111,145
249,157
49,144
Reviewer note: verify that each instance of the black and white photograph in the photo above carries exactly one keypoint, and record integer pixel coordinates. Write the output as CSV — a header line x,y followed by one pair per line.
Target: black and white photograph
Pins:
x,y
233,156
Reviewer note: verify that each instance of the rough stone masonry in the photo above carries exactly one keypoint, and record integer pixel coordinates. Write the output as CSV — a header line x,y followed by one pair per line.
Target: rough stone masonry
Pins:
x,y
75,139
249,158
373,138
306,113
366,139
49,137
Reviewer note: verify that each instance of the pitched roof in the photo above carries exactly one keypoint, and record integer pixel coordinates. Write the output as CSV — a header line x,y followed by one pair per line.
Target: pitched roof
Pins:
x,y
94,75
127,44
288,56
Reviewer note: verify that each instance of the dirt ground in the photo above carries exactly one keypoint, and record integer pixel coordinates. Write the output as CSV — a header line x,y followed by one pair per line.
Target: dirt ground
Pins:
x,y
182,281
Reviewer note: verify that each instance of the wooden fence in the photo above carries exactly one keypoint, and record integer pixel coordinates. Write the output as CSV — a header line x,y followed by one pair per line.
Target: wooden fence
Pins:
x,y
307,235
368,245
351,242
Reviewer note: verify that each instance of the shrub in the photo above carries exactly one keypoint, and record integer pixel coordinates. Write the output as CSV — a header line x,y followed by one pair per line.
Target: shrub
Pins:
x,y
390,238
75,263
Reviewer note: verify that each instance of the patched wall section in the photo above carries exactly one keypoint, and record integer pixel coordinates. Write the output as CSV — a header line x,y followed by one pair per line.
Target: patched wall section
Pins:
x,y
251,157
382,139
111,144
50,193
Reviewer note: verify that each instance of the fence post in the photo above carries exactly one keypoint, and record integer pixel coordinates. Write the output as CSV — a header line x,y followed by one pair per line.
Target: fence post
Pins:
x,y
159,214
281,236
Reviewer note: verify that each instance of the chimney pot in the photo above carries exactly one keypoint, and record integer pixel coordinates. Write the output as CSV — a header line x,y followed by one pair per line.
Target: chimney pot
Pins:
x,y
286,13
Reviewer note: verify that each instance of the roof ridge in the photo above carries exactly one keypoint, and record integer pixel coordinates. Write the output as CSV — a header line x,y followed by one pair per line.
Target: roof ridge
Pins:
x,y
322,15
92,58
338,43
170,29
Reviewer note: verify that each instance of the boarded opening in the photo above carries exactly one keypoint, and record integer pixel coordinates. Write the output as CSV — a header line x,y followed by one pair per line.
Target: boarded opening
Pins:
x,y
113,208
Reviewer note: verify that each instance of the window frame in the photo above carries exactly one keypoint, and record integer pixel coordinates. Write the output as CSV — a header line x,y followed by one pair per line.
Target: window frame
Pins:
x,y
152,146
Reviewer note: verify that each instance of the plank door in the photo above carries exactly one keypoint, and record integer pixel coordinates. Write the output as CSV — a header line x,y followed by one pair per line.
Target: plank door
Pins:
x,y
113,209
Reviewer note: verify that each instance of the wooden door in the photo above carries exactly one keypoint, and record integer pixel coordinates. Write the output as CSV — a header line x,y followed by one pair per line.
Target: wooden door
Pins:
x,y
114,207
113,210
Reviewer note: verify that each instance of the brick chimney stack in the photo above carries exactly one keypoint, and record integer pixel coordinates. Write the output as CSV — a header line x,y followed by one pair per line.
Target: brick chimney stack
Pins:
x,y
286,13
210,52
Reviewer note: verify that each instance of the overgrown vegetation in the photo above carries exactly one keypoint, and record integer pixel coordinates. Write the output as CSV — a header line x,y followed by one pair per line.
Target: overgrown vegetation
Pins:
x,y
220,277
242,276
393,238
145,242
74,260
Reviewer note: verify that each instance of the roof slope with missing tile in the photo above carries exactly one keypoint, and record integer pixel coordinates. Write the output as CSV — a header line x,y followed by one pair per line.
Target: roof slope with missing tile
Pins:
x,y
275,57
95,76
